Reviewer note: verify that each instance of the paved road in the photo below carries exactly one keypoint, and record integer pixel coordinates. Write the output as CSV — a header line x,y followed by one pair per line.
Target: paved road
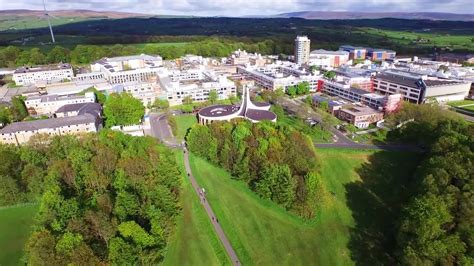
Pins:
x,y
217,227
161,130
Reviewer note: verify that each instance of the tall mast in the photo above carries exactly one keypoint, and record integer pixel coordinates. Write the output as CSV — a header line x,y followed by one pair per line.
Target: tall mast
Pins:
x,y
49,22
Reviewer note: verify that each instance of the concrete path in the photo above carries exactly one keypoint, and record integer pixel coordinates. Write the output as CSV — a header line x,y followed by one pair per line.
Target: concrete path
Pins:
x,y
214,220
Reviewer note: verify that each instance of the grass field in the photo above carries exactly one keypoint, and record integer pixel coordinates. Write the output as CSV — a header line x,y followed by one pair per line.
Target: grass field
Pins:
x,y
15,225
317,134
453,41
466,104
262,233
184,122
194,242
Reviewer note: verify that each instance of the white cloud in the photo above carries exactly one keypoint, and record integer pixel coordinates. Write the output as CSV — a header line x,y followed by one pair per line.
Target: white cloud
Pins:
x,y
246,7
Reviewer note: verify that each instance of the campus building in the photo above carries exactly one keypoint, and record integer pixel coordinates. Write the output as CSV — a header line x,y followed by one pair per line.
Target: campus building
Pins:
x,y
380,54
24,76
48,104
240,57
326,59
176,85
71,119
254,112
418,88
360,116
386,103
123,69
302,49
354,52
280,75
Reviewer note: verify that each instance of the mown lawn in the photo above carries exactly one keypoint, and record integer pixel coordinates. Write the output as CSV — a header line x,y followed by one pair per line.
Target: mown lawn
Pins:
x,y
15,226
184,122
194,242
263,233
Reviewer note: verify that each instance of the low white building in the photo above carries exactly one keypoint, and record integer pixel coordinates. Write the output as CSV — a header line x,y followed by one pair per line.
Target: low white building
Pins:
x,y
48,104
280,75
197,83
50,73
123,69
418,88
146,92
327,59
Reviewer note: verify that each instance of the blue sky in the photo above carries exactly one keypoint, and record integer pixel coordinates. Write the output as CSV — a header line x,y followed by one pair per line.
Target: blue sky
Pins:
x,y
246,7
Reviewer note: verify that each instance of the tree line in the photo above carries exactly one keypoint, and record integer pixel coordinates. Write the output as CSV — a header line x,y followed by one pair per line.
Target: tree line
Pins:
x,y
105,198
13,56
276,162
436,226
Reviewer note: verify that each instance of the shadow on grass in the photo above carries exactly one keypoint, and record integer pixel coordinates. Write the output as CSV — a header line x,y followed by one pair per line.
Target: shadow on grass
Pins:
x,y
375,201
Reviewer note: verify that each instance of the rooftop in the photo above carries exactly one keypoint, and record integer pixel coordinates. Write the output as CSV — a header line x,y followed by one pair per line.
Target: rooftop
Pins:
x,y
42,68
360,110
48,123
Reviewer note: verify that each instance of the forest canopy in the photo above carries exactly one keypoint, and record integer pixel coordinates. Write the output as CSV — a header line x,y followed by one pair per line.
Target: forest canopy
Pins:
x,y
103,198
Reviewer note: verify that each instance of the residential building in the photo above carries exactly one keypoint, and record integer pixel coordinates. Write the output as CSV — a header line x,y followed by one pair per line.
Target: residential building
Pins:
x,y
50,73
354,52
360,116
302,49
136,68
418,88
280,75
48,104
175,85
87,119
327,59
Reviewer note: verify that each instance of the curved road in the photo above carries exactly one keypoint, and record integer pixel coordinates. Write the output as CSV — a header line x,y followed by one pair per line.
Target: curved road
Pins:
x,y
210,213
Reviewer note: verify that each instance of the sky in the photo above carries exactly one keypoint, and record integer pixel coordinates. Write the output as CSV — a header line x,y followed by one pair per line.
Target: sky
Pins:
x,y
246,7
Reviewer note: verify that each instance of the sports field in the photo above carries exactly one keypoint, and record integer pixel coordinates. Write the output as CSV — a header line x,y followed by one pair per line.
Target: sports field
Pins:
x,y
262,233
15,226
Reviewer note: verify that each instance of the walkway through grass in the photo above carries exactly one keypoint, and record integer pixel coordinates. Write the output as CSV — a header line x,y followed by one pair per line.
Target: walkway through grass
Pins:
x,y
262,233
194,242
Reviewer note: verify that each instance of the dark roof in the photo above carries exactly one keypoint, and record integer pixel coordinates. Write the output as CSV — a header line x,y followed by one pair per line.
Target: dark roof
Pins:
x,y
218,110
48,123
259,115
260,104
399,79
81,108
42,68
413,81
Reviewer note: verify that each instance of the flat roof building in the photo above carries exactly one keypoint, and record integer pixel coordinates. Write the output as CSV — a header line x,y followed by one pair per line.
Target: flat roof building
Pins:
x,y
325,58
176,85
48,104
418,88
48,73
280,75
360,116
136,68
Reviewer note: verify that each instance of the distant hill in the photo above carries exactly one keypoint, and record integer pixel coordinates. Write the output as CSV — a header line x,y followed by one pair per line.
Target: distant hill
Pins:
x,y
326,15
71,13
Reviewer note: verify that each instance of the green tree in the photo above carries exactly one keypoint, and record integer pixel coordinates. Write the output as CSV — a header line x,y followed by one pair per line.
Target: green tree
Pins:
x,y
123,109
292,91
330,75
18,108
58,54
213,96
161,104
302,88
